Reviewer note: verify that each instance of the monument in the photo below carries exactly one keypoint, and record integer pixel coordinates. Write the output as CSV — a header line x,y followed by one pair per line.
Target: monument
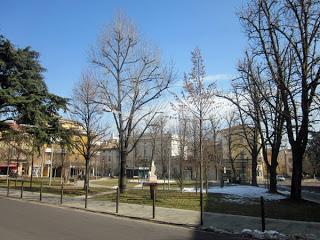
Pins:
x,y
152,180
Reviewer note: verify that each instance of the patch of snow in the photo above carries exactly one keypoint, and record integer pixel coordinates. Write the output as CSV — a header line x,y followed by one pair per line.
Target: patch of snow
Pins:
x,y
240,191
285,192
275,235
270,234
216,230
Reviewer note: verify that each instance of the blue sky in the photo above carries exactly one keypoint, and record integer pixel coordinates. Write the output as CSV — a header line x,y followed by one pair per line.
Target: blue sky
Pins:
x,y
63,31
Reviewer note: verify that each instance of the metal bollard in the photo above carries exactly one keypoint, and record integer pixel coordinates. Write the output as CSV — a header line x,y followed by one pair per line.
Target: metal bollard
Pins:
x,y
21,189
154,204
263,220
117,200
41,192
8,188
61,194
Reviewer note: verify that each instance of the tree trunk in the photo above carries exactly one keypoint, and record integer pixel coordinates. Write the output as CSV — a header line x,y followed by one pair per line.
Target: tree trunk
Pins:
x,y
86,177
254,170
31,177
273,178
296,175
123,174
196,170
206,176
233,170
62,175
8,166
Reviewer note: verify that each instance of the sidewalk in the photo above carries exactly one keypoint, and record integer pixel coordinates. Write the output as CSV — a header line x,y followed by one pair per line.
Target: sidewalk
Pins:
x,y
228,222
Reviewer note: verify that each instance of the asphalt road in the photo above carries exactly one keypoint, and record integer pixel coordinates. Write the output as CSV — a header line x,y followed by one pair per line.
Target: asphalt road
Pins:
x,y
30,221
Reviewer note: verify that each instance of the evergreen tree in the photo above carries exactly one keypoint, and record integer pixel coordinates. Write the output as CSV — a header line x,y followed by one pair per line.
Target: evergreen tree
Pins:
x,y
24,96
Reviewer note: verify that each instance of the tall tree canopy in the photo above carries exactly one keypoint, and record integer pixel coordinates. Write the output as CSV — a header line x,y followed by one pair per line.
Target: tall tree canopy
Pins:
x,y
24,96
284,38
133,78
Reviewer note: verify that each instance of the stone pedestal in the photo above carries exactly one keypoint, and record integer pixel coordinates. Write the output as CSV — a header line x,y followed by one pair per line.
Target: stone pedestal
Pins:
x,y
153,189
152,181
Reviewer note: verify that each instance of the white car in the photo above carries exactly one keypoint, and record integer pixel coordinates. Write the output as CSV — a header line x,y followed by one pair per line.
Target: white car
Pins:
x,y
280,178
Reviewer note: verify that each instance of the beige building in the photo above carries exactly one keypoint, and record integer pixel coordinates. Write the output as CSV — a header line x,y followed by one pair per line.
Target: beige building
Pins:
x,y
109,156
16,157
285,163
284,167
162,149
234,157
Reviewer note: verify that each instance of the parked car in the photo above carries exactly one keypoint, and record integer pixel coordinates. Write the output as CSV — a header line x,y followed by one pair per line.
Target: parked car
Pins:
x,y
280,178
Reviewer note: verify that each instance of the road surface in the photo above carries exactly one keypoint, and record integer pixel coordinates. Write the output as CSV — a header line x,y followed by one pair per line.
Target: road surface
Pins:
x,y
30,221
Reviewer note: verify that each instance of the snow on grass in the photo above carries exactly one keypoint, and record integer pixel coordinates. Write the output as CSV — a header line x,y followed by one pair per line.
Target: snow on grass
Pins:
x,y
241,191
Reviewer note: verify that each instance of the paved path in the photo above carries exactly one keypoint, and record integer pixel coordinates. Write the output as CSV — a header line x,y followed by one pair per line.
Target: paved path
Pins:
x,y
27,221
177,216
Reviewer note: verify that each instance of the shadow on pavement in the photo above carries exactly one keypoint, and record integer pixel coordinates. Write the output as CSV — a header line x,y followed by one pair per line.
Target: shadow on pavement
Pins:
x,y
213,233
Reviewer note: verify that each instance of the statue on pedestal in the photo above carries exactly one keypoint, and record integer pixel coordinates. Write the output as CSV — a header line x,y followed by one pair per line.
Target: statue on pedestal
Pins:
x,y
152,178
152,181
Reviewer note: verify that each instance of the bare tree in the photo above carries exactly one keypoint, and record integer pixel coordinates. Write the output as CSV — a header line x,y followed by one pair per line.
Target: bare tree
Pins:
x,y
207,157
247,104
133,78
214,127
161,142
87,115
195,149
209,147
182,131
259,107
232,145
12,148
258,101
6,155
285,35
197,97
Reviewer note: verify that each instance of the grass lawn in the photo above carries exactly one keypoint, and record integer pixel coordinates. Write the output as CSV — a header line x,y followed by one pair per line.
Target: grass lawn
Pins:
x,y
215,202
114,181
55,188
111,183
35,181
